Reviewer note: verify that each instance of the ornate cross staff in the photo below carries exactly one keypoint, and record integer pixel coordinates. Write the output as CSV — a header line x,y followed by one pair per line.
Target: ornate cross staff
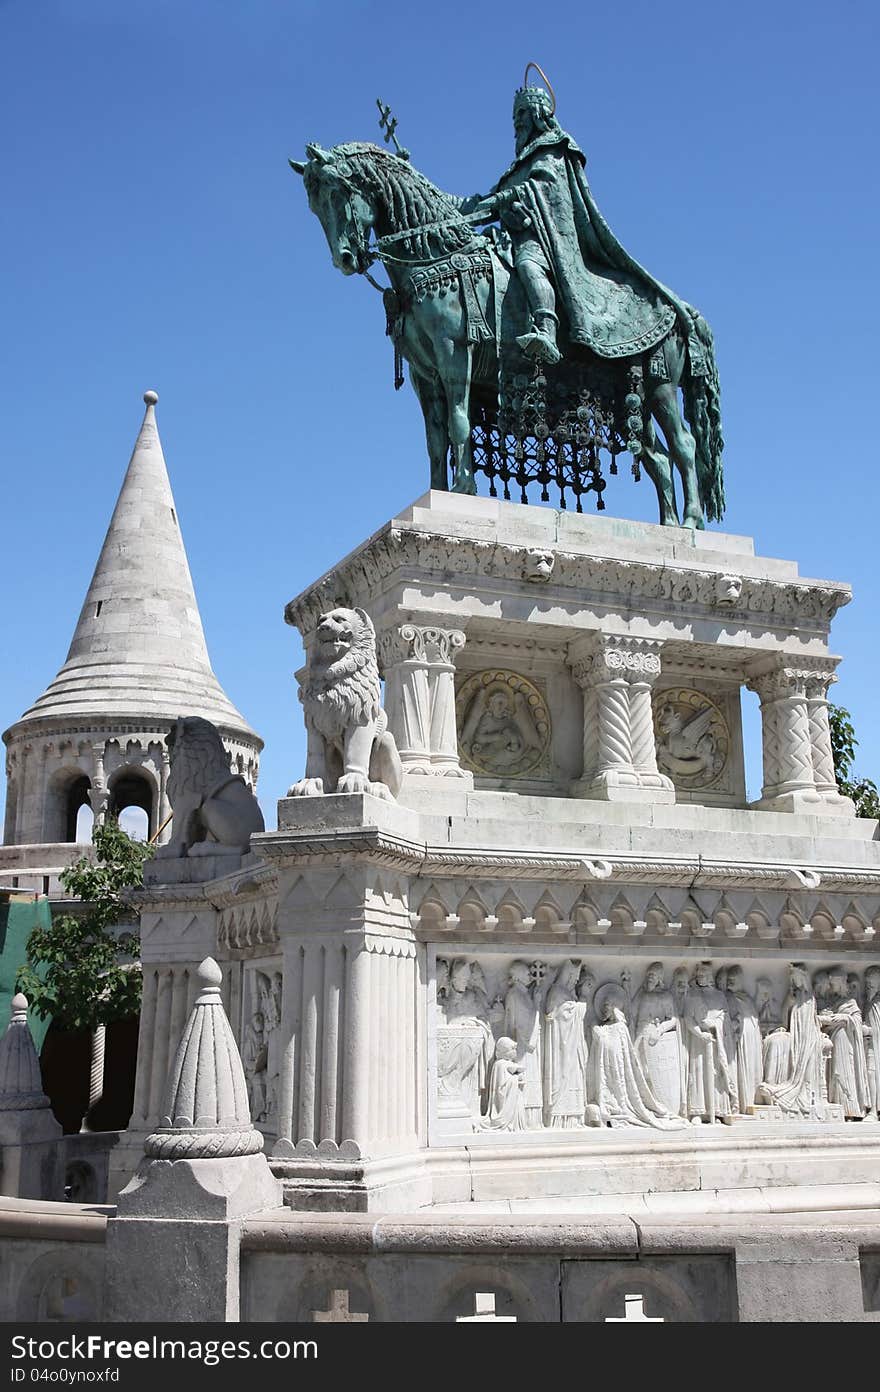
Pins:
x,y
388,125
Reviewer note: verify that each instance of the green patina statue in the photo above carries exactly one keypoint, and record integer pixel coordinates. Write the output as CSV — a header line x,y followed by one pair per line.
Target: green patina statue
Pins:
x,y
537,345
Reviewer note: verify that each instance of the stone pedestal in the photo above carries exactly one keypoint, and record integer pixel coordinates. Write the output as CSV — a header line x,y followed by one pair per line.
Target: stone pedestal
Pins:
x,y
598,857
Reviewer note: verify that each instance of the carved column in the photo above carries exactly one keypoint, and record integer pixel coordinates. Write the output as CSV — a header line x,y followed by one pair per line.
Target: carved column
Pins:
x,y
419,669
164,801
616,675
98,795
798,760
817,686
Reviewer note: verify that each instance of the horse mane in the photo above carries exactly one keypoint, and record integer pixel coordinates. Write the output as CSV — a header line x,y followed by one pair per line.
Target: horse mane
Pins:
x,y
409,201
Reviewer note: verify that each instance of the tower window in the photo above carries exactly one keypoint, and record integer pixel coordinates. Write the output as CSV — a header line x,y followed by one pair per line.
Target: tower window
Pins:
x,y
98,607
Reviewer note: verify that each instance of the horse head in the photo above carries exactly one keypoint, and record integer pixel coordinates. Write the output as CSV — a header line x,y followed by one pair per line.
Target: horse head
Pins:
x,y
338,200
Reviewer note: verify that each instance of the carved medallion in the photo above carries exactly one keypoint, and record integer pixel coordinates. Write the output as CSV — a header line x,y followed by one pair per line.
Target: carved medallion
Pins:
x,y
503,724
693,740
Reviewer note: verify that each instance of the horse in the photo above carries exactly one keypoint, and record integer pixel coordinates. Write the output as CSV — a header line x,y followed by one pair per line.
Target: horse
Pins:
x,y
446,305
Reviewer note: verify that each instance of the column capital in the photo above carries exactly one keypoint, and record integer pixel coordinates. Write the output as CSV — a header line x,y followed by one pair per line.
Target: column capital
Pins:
x,y
793,677
601,657
424,643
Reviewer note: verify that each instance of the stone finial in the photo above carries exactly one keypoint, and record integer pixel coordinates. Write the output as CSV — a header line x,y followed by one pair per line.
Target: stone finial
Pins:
x,y
206,1114
151,397
21,1086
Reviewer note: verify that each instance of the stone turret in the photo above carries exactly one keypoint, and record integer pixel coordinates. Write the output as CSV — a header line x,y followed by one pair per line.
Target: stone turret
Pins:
x,y
138,660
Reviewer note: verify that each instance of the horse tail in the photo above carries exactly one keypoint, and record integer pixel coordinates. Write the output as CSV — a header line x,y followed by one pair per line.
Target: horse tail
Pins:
x,y
702,408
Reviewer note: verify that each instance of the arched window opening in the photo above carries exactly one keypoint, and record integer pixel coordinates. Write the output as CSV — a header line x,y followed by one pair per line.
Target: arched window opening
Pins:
x,y
132,804
135,822
77,797
85,821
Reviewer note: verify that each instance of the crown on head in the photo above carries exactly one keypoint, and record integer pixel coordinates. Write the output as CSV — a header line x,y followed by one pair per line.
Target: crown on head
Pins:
x,y
535,99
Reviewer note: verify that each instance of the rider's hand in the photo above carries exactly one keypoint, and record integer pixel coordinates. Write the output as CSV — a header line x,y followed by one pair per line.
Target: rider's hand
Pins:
x,y
517,217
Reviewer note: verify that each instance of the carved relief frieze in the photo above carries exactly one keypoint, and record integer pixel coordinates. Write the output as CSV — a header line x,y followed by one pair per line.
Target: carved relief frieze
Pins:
x,y
504,726
563,1042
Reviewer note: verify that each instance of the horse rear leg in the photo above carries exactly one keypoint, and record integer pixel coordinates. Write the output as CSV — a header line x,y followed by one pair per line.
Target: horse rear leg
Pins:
x,y
454,361
429,391
655,462
682,449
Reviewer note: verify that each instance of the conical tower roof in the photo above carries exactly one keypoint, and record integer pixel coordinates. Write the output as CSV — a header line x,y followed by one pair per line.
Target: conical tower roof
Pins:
x,y
139,648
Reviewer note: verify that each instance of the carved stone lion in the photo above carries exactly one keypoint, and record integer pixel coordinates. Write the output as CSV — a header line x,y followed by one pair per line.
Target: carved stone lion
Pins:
x,y
214,810
350,749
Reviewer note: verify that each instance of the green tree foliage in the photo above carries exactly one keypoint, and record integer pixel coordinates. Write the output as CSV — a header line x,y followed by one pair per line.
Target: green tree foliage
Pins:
x,y
863,791
83,971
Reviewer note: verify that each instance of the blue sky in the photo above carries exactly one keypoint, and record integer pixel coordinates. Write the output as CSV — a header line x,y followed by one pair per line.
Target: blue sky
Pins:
x,y
151,235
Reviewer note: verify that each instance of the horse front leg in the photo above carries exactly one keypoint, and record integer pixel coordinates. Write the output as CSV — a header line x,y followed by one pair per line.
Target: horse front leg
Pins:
x,y
682,450
429,390
655,462
455,363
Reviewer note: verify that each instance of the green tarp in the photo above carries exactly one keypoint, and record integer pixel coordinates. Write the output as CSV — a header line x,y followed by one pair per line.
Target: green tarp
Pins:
x,y
20,913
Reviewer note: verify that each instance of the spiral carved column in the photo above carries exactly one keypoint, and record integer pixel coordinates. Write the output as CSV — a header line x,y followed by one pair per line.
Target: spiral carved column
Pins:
x,y
616,675
798,758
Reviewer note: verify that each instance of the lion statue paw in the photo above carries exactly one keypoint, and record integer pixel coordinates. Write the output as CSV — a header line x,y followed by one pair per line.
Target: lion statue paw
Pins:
x,y
307,787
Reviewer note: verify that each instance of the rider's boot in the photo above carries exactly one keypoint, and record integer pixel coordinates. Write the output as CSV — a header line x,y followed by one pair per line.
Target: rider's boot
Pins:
x,y
541,342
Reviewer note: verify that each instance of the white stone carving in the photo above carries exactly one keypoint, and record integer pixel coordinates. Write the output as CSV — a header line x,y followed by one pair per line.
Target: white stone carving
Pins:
x,y
692,737
21,1086
658,1041
747,1031
504,724
616,1084
802,1092
539,565
506,1109
872,1036
798,758
350,749
464,1045
522,1022
841,1019
564,1050
418,663
620,756
711,1090
214,810
254,1057
206,1113
728,589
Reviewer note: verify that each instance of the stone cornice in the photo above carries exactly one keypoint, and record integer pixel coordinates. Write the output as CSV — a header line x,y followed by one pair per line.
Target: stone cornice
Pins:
x,y
372,845
155,729
363,574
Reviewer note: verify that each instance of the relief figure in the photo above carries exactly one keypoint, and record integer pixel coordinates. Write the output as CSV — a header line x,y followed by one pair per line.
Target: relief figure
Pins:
x,y
564,1051
658,1040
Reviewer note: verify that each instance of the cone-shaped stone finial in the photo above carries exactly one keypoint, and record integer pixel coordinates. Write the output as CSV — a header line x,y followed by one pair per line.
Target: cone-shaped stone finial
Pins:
x,y
139,647
21,1086
206,1113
